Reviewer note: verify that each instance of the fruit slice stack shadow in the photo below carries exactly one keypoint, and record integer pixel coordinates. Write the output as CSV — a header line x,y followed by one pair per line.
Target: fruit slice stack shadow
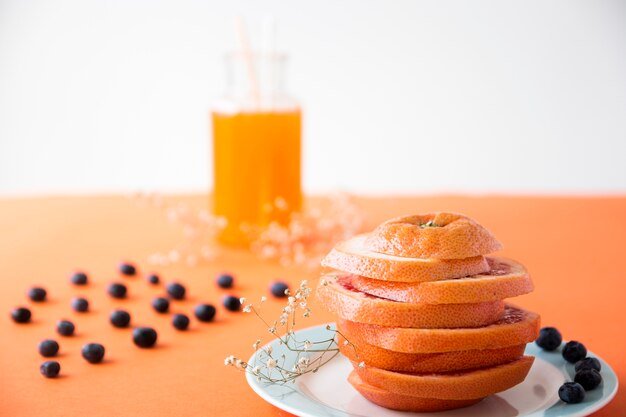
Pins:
x,y
421,314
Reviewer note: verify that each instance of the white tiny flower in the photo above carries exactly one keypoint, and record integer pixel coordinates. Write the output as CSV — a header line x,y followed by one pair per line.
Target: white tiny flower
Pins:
x,y
291,300
287,309
256,370
361,364
271,363
269,350
242,300
247,308
263,299
256,344
346,343
272,329
304,283
302,304
307,345
328,327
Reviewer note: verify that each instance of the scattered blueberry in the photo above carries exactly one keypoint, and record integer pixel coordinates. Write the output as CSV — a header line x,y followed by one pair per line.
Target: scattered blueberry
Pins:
x,y
588,378
50,369
80,304
21,315
153,279
127,269
574,351
37,294
93,352
176,290
588,363
120,318
65,328
117,290
161,304
48,348
231,303
144,337
204,312
225,281
549,339
278,289
180,321
79,278
571,392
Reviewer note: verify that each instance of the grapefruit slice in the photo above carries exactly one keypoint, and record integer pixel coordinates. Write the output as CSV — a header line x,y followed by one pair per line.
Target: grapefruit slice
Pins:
x,y
506,278
517,326
429,362
404,402
352,256
433,235
339,296
467,385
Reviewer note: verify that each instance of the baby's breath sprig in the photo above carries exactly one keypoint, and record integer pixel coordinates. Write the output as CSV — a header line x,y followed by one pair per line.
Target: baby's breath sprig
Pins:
x,y
308,356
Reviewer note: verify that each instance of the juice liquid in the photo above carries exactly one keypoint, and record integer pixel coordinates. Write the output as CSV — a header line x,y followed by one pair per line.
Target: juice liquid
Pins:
x,y
256,166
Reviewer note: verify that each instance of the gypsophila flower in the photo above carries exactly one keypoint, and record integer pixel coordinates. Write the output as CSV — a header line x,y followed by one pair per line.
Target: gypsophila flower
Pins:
x,y
346,343
291,300
256,344
263,299
307,345
242,300
271,363
361,364
256,370
247,308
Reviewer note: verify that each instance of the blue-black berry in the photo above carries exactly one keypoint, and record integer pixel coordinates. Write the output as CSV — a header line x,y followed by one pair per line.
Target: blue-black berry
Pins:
x,y
117,290
279,289
153,279
79,278
80,304
588,378
120,318
127,269
574,351
549,339
93,352
571,392
37,294
176,290
204,312
231,303
20,315
48,348
225,281
144,337
180,321
161,304
50,369
65,327
588,363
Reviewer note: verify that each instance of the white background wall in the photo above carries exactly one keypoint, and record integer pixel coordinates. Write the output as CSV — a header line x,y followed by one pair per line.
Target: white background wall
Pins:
x,y
399,96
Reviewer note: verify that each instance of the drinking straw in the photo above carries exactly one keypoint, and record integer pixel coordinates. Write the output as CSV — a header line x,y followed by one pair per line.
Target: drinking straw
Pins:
x,y
246,52
268,37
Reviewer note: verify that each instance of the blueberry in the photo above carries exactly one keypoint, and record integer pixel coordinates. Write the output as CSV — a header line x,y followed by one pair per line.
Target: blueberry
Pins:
x,y
204,312
80,304
180,321
231,303
37,294
161,304
549,339
571,392
117,290
153,279
127,269
588,378
93,352
65,327
144,337
50,369
21,315
79,278
48,348
225,281
574,351
278,289
120,318
176,290
588,363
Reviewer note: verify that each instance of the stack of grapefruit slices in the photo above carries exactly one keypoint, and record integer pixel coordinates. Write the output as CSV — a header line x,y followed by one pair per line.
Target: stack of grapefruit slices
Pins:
x,y
422,308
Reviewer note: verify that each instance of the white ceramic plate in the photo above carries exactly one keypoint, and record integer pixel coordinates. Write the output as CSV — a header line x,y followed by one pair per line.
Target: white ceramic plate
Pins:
x,y
327,393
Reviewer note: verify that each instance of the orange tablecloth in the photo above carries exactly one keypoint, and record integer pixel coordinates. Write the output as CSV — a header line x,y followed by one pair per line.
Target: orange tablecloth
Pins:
x,y
572,246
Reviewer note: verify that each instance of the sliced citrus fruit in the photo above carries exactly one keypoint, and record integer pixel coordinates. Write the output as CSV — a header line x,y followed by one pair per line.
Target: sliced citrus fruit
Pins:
x,y
404,402
352,256
464,385
433,235
506,278
428,362
339,296
516,327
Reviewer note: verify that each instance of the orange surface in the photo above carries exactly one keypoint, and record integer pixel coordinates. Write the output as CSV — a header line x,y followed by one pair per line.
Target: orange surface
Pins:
x,y
256,159
569,245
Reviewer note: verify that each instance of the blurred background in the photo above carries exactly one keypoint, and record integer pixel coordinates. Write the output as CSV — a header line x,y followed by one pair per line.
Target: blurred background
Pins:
x,y
398,97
